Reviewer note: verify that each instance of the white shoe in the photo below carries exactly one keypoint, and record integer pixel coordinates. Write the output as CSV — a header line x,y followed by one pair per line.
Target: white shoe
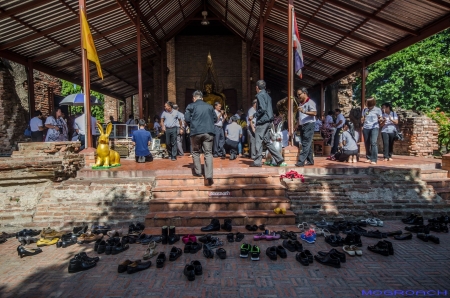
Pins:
x,y
348,250
356,249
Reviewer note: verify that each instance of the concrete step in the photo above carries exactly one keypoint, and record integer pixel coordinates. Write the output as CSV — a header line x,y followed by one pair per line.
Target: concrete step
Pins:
x,y
438,182
237,190
221,179
180,230
431,174
218,204
203,218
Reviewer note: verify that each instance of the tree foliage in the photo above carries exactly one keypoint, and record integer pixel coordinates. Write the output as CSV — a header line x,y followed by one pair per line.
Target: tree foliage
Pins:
x,y
97,111
416,78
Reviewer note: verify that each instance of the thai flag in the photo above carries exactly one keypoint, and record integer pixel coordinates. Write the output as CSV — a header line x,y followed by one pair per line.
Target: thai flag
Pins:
x,y
298,55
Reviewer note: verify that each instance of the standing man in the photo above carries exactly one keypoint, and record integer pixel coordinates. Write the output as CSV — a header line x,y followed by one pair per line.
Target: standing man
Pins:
x,y
80,127
181,132
233,133
264,117
37,127
340,120
170,121
201,117
141,140
251,121
219,138
307,119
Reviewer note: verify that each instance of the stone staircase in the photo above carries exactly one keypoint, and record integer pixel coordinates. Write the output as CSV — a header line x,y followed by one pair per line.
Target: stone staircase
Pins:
x,y
183,201
440,182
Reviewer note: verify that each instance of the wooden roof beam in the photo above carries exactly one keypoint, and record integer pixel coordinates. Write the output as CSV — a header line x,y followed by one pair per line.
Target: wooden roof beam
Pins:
x,y
440,3
229,25
56,28
365,14
22,8
232,13
172,15
183,24
250,17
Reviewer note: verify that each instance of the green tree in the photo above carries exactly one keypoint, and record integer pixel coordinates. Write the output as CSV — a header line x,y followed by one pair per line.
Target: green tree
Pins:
x,y
416,78
97,111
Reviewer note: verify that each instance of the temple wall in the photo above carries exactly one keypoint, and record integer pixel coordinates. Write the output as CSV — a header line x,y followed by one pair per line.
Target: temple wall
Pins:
x,y
190,61
111,108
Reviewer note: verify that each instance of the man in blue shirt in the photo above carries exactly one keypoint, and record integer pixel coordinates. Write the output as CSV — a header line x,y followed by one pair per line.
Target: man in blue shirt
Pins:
x,y
141,140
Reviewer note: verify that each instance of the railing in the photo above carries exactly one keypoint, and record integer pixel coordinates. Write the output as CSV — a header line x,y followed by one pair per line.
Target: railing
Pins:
x,y
121,131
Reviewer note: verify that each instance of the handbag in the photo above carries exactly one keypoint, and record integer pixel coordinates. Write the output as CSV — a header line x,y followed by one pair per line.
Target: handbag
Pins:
x,y
27,132
398,136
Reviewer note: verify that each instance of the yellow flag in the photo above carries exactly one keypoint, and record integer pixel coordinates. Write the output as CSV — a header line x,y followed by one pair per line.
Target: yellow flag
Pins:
x,y
88,44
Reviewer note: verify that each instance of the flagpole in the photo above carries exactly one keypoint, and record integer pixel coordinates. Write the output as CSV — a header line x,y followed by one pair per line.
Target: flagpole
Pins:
x,y
86,81
290,86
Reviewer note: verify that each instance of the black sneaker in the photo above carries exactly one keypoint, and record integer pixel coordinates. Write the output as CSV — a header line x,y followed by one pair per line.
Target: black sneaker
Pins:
x,y
245,249
271,252
255,252
281,252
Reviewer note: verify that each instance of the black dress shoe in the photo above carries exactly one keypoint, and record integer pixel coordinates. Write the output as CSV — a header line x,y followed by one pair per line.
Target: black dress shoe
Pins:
x,y
227,225
197,175
197,267
289,245
205,238
328,260
412,216
299,164
399,232
22,251
271,252
101,247
86,258
334,240
160,260
415,221
390,247
338,254
78,264
118,248
189,272
138,266
375,234
209,181
255,166
221,253
406,236
302,258
123,266
195,247
213,226
175,253
281,252
379,248
187,247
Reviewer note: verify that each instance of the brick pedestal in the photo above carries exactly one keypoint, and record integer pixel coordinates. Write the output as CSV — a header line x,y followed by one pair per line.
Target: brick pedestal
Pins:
x,y
290,154
89,157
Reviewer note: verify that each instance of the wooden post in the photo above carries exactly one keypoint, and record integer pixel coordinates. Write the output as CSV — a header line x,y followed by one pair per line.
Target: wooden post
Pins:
x,y
86,82
261,48
363,85
30,82
290,63
249,75
322,101
139,59
163,74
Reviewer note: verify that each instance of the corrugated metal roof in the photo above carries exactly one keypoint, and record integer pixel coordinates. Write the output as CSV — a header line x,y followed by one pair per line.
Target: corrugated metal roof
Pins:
x,y
336,34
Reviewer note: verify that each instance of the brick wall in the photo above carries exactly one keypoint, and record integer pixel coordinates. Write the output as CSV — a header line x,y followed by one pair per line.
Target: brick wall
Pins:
x,y
13,115
111,108
191,54
45,87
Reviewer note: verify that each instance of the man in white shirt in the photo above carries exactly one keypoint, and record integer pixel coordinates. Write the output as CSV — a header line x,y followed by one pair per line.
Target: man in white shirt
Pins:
x,y
307,119
80,127
340,120
37,127
181,132
219,137
233,133
251,125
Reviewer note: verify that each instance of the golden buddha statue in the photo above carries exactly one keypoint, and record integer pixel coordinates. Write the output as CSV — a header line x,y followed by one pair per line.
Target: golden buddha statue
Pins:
x,y
210,81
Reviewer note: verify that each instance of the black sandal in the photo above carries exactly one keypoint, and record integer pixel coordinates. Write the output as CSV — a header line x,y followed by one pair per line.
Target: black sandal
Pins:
x,y
221,253
262,227
208,253
254,228
230,237
249,228
239,236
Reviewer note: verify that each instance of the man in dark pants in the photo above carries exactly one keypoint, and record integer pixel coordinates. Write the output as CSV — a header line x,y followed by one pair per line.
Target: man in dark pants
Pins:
x,y
181,132
169,120
141,140
307,119
264,117
37,127
233,133
219,137
340,120
201,117
251,120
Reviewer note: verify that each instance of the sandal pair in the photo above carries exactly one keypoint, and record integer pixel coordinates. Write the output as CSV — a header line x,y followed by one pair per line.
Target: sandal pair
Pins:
x,y
150,252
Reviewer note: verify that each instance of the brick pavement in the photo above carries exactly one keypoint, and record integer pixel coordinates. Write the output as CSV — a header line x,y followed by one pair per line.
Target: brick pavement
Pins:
x,y
416,265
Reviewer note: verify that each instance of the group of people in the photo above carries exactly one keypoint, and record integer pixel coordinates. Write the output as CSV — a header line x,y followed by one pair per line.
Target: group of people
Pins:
x,y
58,128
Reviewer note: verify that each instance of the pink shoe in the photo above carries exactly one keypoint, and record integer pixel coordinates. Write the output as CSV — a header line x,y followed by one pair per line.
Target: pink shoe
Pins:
x,y
259,236
188,238
273,236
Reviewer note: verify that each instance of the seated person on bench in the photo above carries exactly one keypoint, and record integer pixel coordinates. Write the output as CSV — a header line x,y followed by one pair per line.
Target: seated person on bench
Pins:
x,y
141,140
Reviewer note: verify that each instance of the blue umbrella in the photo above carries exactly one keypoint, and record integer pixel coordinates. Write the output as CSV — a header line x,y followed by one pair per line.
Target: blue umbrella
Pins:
x,y
78,100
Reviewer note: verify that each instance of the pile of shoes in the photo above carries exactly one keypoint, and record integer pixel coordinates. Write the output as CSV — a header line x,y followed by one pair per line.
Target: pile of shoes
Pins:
x,y
383,247
82,262
49,237
209,243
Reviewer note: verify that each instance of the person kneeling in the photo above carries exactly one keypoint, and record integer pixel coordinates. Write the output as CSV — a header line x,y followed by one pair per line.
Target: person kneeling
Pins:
x,y
141,140
233,133
348,144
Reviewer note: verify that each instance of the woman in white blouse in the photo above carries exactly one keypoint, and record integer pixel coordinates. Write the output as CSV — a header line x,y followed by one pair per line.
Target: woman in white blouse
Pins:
x,y
389,121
